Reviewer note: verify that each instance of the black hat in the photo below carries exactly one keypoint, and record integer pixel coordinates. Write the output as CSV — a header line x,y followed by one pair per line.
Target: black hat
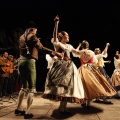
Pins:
x,y
31,24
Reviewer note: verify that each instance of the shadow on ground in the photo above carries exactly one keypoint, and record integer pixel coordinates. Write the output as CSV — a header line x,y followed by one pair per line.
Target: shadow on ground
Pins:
x,y
84,110
57,115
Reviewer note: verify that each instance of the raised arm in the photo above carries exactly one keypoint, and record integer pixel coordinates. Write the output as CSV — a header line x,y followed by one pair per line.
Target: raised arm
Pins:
x,y
106,49
117,53
55,32
76,53
78,46
107,61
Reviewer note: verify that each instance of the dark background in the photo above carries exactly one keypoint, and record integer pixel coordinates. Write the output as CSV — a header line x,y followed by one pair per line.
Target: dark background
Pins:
x,y
97,21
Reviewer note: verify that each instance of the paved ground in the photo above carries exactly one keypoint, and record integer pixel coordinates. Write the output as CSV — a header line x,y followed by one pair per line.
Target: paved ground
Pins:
x,y
46,109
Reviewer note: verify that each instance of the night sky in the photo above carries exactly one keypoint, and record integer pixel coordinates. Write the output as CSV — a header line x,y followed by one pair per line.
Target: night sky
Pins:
x,y
98,21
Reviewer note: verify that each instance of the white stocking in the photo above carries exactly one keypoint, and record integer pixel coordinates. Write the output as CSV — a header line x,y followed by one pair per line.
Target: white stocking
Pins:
x,y
29,101
20,98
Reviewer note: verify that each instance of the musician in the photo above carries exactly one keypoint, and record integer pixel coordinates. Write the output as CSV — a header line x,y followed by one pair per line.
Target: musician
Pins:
x,y
16,75
12,80
4,71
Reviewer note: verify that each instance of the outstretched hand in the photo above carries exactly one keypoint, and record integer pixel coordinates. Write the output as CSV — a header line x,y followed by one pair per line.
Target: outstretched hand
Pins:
x,y
117,52
108,44
109,61
57,18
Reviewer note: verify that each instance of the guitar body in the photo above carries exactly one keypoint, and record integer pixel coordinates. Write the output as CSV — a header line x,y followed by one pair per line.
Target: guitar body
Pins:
x,y
7,69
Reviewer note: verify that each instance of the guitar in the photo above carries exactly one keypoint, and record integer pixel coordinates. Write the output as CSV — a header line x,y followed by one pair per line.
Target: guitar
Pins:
x,y
8,69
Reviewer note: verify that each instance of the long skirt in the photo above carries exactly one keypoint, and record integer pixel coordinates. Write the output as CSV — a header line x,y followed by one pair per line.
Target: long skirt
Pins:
x,y
63,83
103,71
95,84
115,78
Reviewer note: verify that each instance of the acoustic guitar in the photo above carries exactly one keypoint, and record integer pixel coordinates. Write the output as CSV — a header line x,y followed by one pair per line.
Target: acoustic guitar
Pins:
x,y
9,69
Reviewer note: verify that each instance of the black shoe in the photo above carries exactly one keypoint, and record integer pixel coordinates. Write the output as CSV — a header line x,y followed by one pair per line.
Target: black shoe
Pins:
x,y
83,105
88,106
98,101
19,112
27,116
107,102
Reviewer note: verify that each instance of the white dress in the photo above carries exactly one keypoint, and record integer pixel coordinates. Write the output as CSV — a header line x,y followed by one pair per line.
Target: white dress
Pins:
x,y
63,82
115,78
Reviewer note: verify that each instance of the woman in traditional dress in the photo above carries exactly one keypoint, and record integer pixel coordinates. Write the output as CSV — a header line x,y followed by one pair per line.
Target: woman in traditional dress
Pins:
x,y
115,78
63,82
95,85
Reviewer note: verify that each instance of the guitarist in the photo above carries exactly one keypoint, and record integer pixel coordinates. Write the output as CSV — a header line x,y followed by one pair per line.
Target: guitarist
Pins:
x,y
12,80
4,73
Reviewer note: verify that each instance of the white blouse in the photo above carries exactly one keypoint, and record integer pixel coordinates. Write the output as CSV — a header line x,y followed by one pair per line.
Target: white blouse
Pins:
x,y
86,55
117,63
65,47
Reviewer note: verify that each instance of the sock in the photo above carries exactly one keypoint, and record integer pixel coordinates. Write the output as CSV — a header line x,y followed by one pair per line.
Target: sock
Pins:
x,y
20,99
63,105
88,102
29,101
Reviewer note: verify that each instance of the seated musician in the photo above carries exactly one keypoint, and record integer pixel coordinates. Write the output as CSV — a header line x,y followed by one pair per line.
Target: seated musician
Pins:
x,y
4,71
